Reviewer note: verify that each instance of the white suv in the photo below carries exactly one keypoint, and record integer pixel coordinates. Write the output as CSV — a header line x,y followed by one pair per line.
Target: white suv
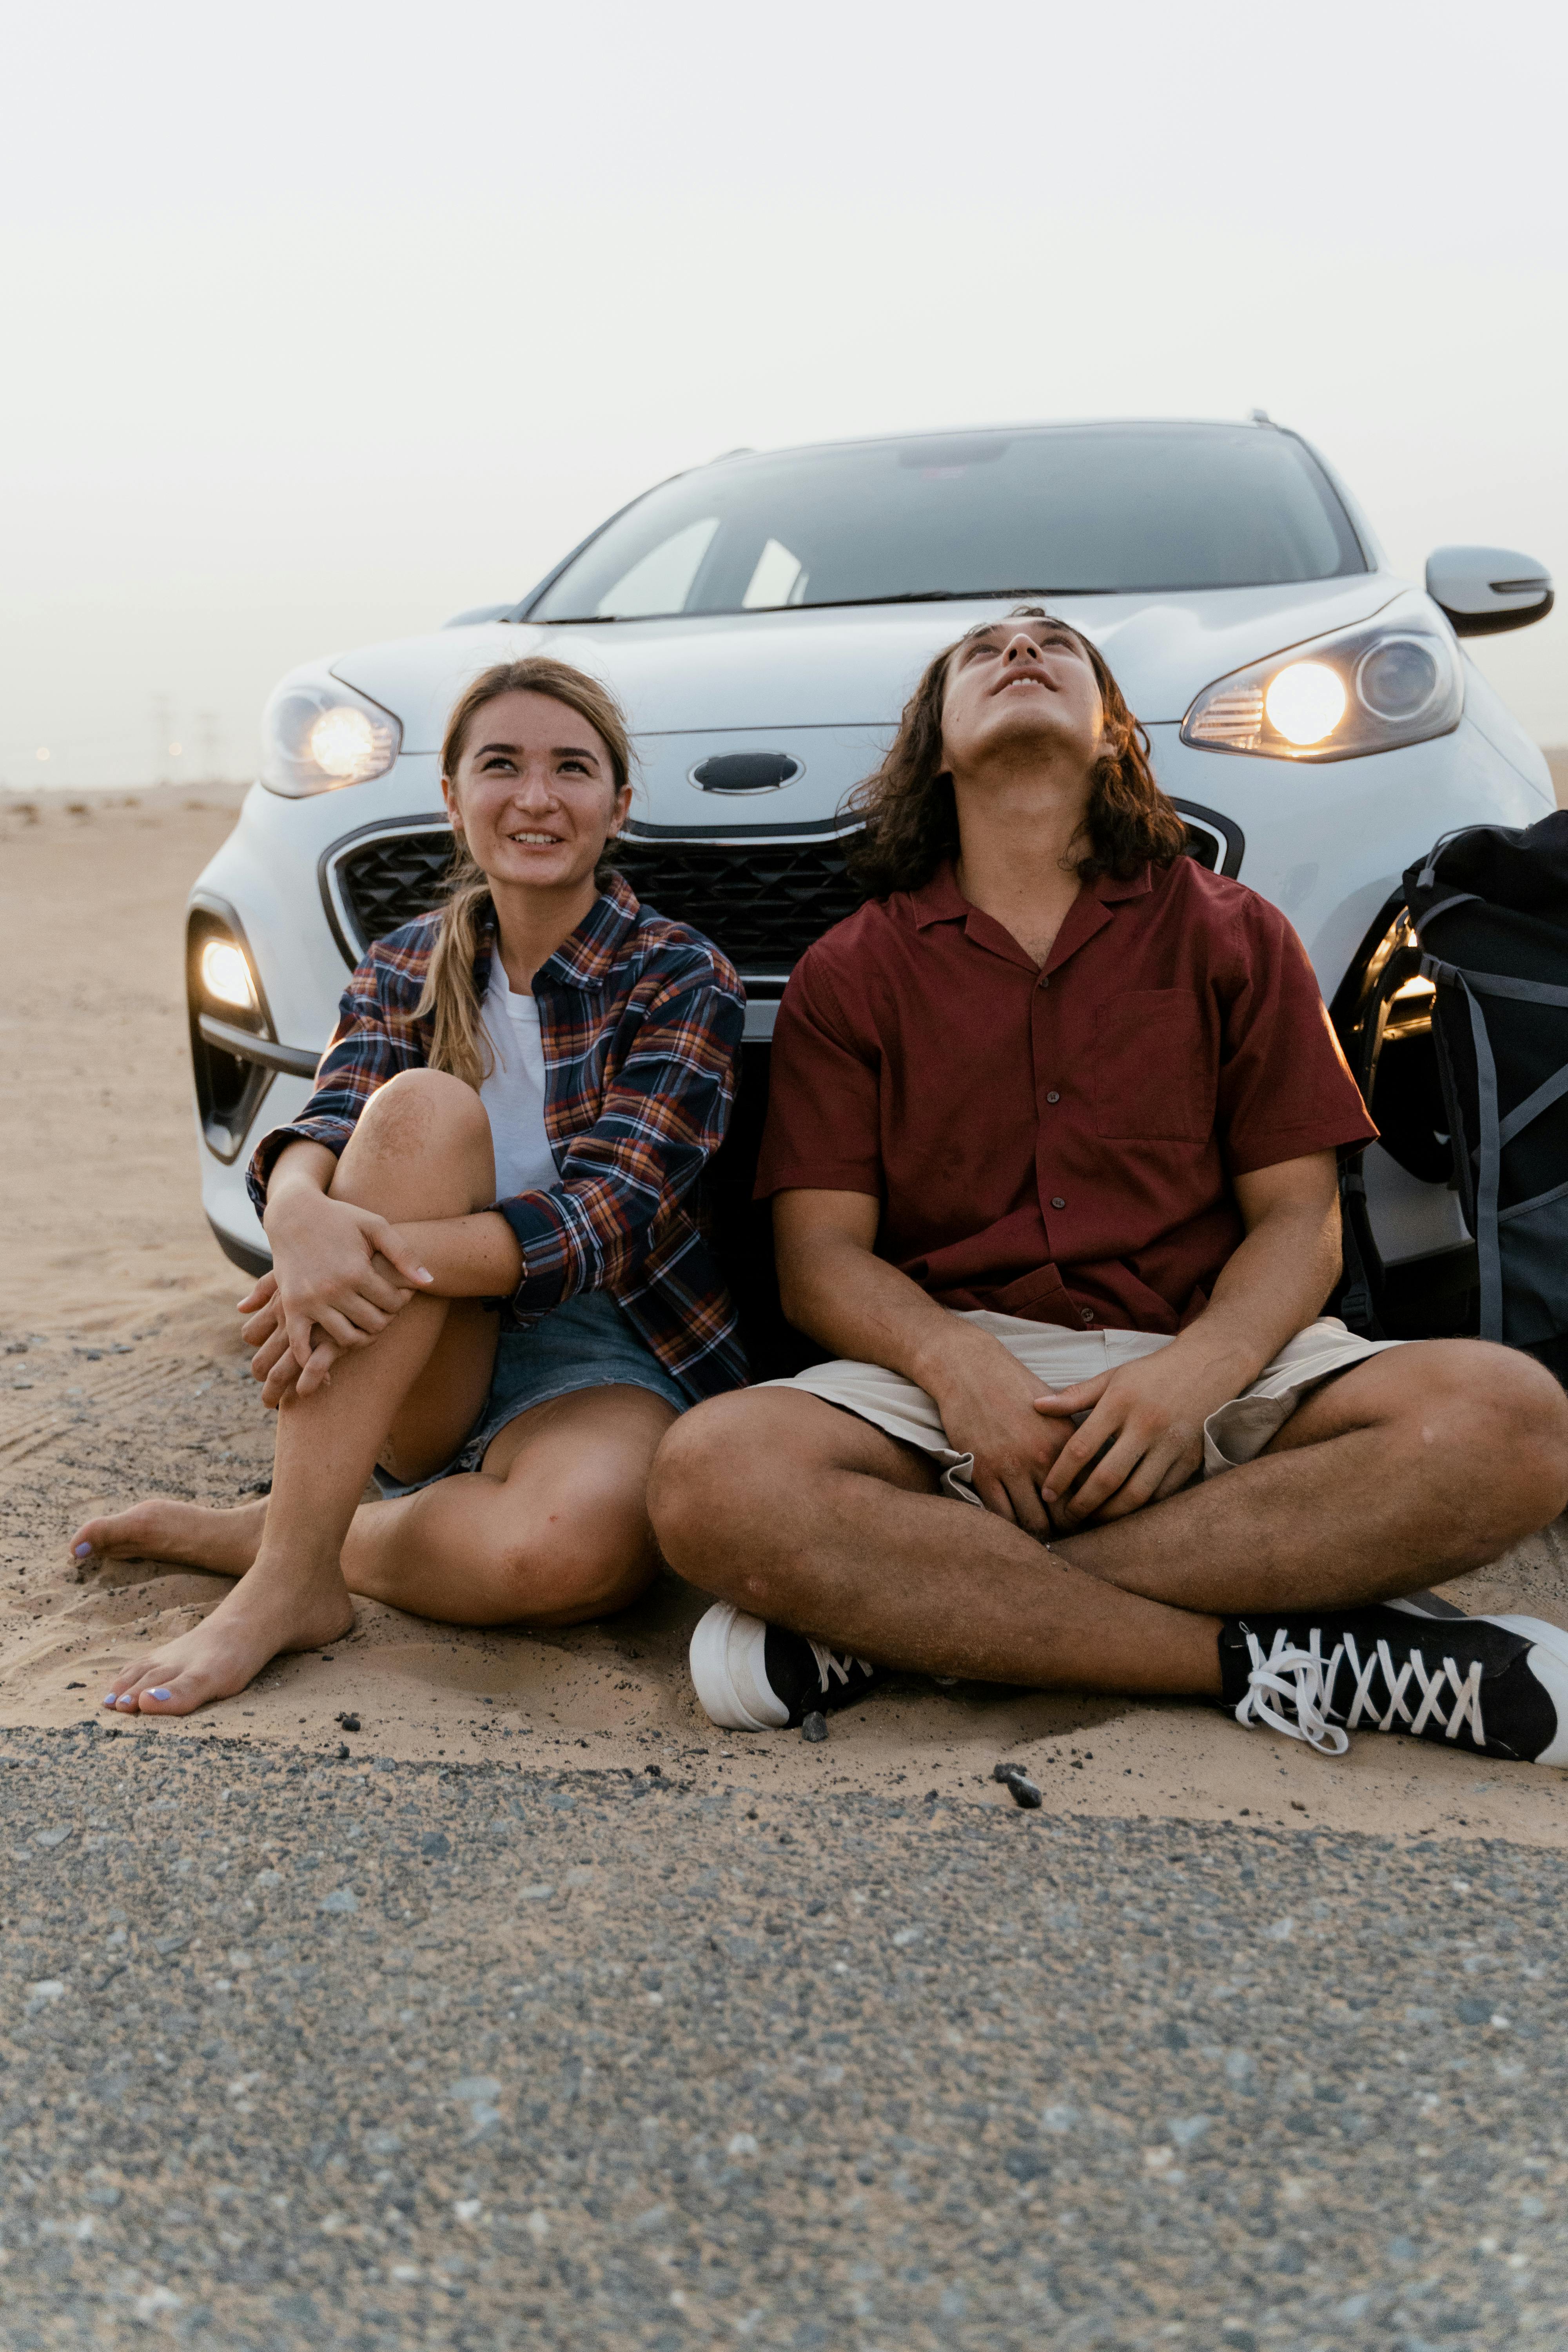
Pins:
x,y
763,620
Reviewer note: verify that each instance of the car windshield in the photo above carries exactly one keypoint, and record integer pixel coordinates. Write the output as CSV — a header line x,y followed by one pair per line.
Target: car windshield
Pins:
x,y
1084,509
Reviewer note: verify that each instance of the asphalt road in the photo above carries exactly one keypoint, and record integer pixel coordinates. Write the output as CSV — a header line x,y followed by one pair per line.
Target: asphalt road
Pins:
x,y
301,2053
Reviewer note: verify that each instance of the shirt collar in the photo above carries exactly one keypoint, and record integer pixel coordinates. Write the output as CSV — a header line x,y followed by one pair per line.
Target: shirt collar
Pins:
x,y
942,901
586,959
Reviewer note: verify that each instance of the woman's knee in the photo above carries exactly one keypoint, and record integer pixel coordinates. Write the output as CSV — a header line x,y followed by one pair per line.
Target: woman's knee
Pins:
x,y
431,1103
423,1127
589,1566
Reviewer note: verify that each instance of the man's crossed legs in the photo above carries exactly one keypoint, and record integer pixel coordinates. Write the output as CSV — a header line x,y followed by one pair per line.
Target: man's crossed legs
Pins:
x,y
1411,1468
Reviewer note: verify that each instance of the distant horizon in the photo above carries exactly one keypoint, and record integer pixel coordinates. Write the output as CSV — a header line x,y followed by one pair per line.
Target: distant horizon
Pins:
x,y
307,361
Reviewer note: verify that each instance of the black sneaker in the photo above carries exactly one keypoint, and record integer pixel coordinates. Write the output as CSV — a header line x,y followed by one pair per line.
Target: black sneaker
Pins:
x,y
1496,1686
755,1677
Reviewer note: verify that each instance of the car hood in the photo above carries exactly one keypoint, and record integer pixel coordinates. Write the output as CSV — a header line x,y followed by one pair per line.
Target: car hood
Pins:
x,y
853,666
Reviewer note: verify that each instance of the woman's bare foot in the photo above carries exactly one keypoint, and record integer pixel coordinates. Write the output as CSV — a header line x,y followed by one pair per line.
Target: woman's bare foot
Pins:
x,y
279,1606
189,1534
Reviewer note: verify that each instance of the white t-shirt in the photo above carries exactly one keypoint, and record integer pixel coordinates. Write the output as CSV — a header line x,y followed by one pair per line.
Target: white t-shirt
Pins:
x,y
513,1093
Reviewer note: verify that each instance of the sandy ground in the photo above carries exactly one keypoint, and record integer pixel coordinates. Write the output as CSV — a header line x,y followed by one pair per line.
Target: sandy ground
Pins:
x,y
122,1374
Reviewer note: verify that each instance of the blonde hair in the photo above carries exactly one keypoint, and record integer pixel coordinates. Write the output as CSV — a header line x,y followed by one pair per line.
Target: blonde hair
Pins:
x,y
450,998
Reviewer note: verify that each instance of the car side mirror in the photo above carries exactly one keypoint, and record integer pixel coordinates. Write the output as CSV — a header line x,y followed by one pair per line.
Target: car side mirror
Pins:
x,y
1485,589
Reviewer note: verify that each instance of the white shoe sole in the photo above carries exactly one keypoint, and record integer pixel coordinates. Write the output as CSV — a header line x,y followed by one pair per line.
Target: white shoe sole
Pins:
x,y
729,1671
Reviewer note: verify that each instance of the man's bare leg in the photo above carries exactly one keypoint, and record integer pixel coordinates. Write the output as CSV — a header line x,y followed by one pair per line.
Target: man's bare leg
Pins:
x,y
422,1149
1411,1468
802,1515
1414,1466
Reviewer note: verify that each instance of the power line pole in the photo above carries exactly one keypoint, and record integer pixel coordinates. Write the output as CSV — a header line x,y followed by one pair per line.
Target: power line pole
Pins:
x,y
212,750
163,728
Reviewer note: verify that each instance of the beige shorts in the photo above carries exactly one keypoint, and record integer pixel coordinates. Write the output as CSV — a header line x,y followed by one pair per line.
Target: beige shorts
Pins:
x,y
1057,1359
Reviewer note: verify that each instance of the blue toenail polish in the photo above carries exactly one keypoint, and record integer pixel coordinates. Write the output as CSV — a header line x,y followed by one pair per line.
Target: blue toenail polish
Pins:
x,y
82,1550
160,1693
109,1699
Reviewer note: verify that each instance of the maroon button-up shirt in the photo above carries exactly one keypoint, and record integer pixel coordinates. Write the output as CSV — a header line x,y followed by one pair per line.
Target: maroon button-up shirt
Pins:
x,y
1057,1142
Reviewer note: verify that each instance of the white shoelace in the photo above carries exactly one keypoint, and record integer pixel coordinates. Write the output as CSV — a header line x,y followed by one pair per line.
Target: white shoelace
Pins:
x,y
1304,1680
829,1663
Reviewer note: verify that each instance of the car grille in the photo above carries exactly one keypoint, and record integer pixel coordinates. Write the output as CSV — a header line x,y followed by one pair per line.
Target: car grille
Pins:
x,y
388,880
764,903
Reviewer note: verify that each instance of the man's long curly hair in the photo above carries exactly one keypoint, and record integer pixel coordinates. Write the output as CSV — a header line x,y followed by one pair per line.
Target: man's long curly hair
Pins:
x,y
911,817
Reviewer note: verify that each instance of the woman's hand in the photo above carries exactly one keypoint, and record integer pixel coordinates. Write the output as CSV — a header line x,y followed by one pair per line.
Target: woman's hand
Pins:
x,y
273,1363
990,1404
340,1275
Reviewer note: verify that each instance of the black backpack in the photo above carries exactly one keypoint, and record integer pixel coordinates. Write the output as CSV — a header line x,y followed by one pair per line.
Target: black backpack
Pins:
x,y
1489,907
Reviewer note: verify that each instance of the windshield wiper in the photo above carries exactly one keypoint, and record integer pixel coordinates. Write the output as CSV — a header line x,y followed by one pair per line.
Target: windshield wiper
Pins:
x,y
822,604
919,596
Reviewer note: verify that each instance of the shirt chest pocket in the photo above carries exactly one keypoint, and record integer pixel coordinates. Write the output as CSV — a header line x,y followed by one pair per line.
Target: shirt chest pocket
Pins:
x,y
1153,1078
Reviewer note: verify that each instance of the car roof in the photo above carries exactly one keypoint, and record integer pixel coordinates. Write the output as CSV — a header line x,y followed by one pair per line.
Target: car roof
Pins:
x,y
990,432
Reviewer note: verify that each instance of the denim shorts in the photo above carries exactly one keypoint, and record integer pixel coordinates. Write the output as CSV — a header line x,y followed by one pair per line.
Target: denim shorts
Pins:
x,y
585,1343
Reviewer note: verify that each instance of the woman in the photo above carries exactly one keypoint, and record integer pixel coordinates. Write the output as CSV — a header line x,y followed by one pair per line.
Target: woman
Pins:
x,y
520,1095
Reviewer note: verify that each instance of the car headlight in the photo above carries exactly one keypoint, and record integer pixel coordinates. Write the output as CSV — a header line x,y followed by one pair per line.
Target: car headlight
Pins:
x,y
318,735
1394,681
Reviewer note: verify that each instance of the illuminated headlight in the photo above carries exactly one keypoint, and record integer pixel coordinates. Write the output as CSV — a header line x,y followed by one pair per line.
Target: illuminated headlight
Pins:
x,y
318,735
1395,680
1305,702
226,975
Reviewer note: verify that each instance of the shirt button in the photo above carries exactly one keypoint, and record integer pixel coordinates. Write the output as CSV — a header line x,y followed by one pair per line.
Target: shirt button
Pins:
x,y
1053,1097
1057,1201
1045,980
1085,1313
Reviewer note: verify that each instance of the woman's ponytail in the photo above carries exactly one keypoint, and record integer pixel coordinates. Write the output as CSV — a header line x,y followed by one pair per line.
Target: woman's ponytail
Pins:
x,y
450,999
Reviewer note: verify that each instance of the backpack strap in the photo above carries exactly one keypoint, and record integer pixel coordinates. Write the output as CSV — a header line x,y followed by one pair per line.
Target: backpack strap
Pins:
x,y
1429,874
1488,1251
1551,1090
1458,899
1492,983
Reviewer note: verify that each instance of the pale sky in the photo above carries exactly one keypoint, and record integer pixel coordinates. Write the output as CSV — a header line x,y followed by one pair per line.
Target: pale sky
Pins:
x,y
321,322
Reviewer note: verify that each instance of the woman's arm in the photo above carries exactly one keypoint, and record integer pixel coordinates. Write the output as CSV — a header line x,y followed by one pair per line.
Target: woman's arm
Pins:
x,y
466,1257
337,1272
340,1274
665,1112
335,1268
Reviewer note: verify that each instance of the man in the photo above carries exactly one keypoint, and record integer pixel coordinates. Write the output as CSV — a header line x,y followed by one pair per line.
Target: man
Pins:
x,y
1051,1147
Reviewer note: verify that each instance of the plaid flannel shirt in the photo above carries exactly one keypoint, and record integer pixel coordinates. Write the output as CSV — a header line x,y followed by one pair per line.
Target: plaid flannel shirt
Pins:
x,y
641,1021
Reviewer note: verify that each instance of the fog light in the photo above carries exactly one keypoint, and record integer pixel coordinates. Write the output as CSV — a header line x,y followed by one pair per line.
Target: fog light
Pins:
x,y
1305,702
226,975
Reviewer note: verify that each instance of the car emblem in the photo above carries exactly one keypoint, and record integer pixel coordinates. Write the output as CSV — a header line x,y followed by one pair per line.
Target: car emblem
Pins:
x,y
745,771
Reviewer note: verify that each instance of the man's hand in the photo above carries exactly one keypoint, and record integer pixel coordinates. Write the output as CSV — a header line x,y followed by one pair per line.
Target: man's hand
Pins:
x,y
991,1405
1143,1438
1147,1418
